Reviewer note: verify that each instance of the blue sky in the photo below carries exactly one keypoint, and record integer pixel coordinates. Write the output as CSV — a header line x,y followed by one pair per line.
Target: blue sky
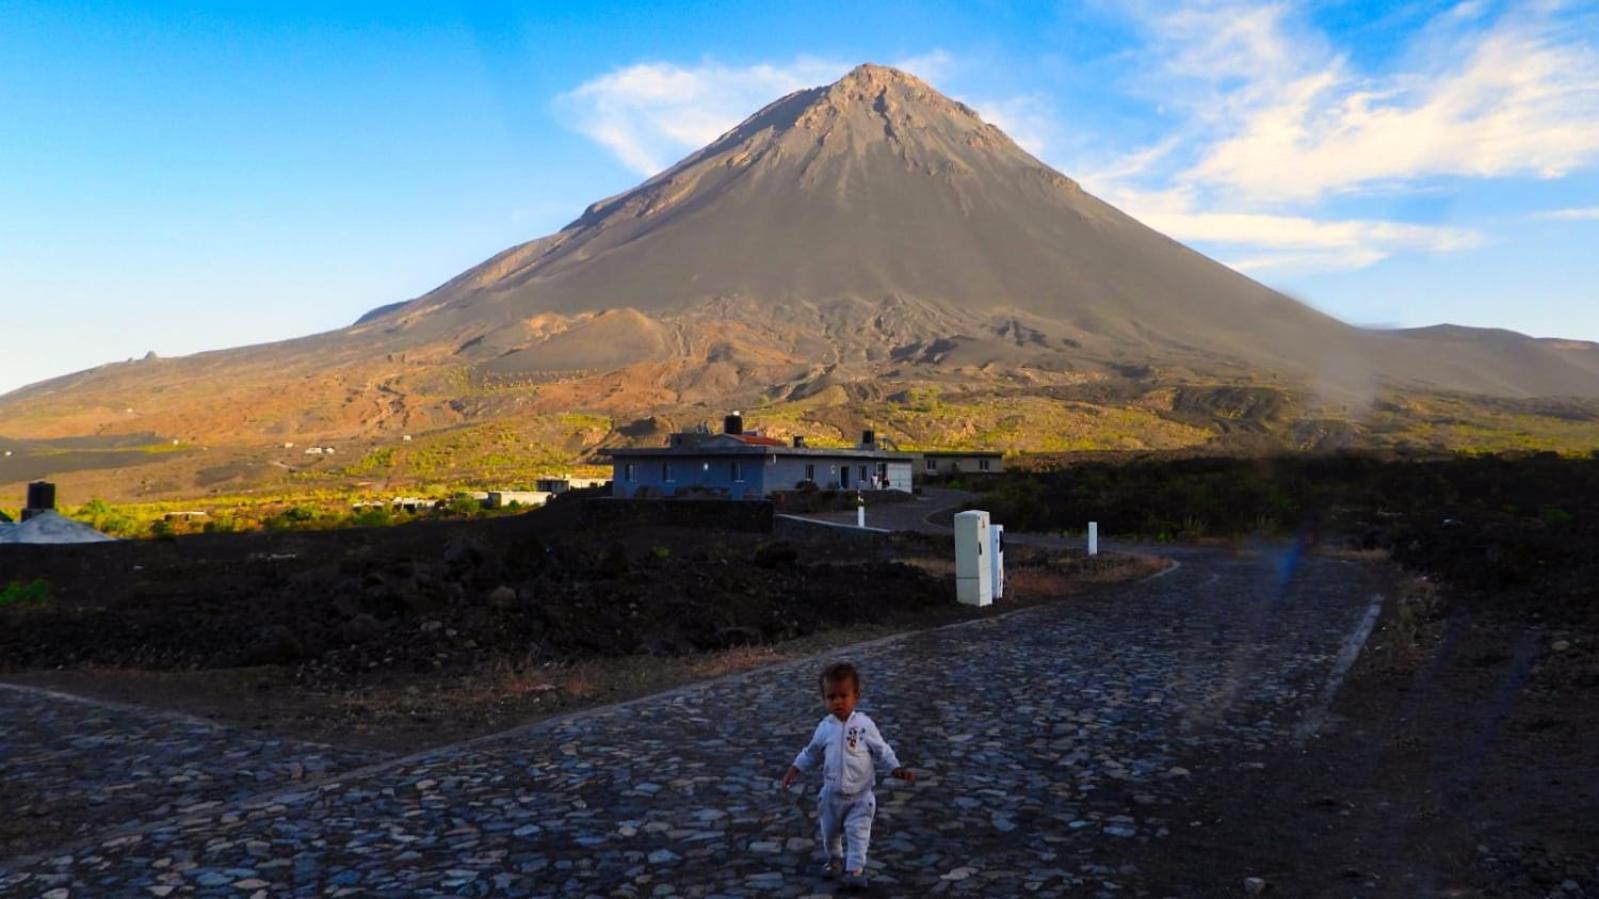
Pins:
x,y
186,177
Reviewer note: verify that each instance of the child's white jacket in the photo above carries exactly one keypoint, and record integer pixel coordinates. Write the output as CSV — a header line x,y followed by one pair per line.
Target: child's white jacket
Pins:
x,y
847,750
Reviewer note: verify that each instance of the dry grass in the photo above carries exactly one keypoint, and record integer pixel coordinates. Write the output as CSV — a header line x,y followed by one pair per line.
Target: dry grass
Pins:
x,y
1039,583
1356,555
734,661
1409,626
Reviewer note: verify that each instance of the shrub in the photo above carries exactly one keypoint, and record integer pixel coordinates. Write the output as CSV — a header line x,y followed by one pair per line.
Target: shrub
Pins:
x,y
463,504
26,593
107,519
372,517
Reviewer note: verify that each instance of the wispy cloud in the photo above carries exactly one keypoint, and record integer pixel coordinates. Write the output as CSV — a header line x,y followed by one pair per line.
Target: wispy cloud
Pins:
x,y
1581,214
651,114
1270,121
1027,119
1285,117
1258,241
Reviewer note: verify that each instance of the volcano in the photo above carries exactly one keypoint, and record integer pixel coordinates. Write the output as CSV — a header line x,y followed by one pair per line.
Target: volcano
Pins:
x,y
858,240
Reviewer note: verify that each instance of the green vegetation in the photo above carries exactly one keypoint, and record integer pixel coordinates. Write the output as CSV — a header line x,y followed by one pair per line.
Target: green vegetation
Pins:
x,y
25,593
927,418
489,455
108,519
320,510
1483,425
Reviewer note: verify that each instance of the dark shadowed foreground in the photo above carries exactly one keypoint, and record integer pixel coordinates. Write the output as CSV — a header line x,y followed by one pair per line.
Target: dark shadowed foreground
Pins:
x,y
1082,748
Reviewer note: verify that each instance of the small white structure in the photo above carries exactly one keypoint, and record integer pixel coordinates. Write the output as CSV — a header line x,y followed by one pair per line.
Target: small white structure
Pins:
x,y
1093,538
974,575
499,499
996,558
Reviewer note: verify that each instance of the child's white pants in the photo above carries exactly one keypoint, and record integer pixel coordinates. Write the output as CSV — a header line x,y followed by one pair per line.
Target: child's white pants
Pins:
x,y
847,815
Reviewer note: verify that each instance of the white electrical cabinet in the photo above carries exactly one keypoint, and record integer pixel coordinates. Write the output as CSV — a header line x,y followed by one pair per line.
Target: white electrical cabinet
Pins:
x,y
996,558
974,574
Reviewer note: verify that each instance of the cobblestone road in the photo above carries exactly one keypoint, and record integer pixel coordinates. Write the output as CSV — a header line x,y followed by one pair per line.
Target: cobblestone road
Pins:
x,y
1057,746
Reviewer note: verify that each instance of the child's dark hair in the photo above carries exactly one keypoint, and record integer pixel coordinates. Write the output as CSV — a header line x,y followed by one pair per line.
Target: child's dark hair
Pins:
x,y
837,673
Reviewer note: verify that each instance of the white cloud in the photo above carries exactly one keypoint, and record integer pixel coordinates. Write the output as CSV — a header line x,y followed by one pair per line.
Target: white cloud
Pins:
x,y
651,114
1027,119
1269,120
932,67
1282,117
1582,214
1257,241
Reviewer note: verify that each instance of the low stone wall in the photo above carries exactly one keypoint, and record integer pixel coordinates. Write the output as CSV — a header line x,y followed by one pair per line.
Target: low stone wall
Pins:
x,y
742,515
789,527
802,502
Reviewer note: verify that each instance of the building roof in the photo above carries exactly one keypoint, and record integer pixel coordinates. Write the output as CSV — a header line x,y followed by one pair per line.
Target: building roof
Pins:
x,y
780,449
51,527
757,439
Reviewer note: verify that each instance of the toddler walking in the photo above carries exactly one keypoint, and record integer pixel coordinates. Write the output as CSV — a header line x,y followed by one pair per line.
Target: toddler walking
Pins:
x,y
848,747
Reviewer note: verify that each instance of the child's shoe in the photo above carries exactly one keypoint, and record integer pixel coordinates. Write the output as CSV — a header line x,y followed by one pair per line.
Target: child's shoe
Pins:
x,y
855,880
833,869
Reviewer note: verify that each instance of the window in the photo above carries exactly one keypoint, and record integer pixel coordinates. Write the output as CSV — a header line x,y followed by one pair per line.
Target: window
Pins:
x,y
810,471
627,472
666,471
982,464
931,463
864,476
738,473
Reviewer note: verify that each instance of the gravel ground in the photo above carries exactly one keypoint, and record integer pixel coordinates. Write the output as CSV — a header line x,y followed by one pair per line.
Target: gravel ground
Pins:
x,y
1058,746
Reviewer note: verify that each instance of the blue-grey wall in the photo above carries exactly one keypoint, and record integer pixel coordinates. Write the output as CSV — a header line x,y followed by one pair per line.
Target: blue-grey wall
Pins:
x,y
713,472
760,476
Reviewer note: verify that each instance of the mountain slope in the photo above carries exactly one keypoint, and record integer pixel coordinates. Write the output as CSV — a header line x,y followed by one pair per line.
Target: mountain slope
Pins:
x,y
878,188
855,241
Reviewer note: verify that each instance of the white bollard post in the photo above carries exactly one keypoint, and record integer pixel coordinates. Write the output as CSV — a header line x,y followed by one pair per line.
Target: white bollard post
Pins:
x,y
1093,538
860,515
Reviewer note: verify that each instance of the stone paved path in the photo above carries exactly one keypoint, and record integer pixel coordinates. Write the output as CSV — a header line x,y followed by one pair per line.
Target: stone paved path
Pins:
x,y
1057,746
71,768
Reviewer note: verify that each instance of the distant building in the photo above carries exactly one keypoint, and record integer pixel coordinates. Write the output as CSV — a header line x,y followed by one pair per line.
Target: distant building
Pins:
x,y
739,465
944,463
499,499
567,482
